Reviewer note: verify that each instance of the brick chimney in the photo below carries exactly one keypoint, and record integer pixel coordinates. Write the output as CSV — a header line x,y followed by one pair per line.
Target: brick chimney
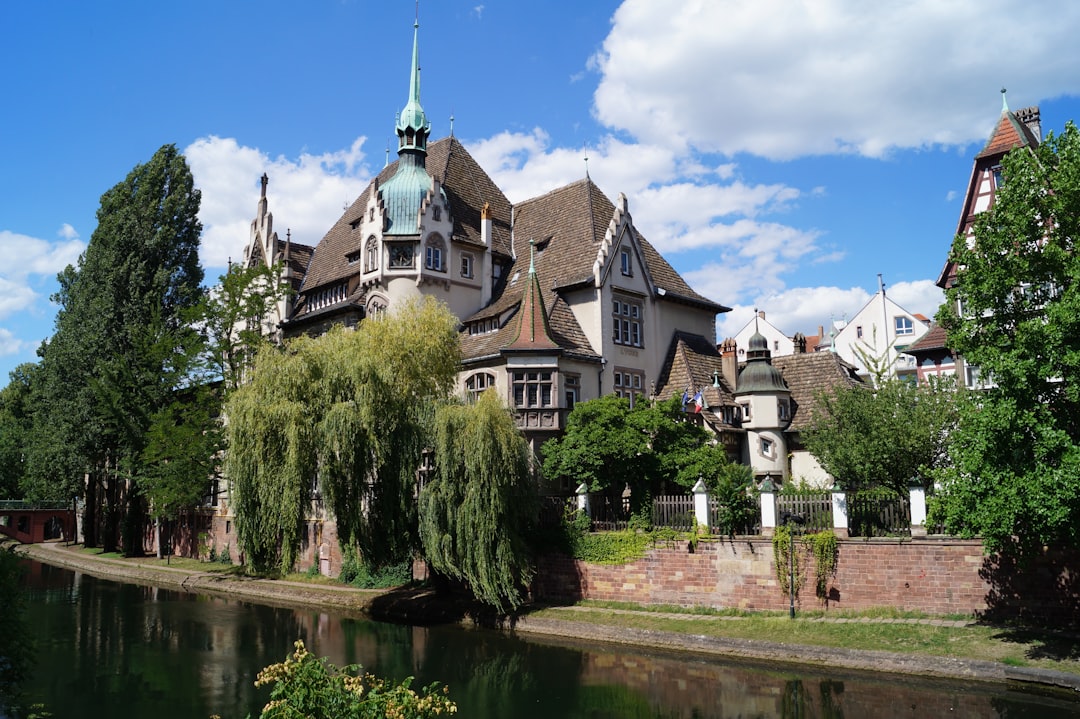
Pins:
x,y
729,362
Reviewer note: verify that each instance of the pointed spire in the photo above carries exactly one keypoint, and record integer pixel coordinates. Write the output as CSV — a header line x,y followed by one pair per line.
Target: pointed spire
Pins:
x,y
586,150
533,332
1004,102
412,125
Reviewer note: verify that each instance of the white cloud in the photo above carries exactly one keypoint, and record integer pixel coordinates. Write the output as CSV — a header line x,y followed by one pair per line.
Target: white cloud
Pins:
x,y
25,262
306,195
782,79
10,344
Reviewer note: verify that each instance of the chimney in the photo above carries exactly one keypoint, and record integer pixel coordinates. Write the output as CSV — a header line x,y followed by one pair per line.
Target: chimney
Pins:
x,y
729,362
485,267
761,314
800,343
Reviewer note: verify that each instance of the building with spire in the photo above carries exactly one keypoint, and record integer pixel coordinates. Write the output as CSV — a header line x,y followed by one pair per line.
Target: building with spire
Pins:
x,y
560,298
1014,130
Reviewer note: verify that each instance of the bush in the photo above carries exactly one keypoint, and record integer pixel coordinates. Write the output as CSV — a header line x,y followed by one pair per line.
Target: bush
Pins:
x,y
304,686
358,573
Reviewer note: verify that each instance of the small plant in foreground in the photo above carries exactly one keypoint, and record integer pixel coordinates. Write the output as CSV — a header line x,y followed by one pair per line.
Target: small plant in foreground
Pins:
x,y
304,686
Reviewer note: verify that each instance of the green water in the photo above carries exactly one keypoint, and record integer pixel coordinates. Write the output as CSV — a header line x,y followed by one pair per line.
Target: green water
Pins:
x,y
119,650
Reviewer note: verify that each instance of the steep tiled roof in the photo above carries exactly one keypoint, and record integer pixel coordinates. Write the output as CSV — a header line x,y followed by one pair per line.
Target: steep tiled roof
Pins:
x,y
692,362
467,188
932,340
1008,133
807,375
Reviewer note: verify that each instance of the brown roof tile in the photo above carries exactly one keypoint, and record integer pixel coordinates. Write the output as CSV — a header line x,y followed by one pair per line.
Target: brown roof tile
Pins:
x,y
807,375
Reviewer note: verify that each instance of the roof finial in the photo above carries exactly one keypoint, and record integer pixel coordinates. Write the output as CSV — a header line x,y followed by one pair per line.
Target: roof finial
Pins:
x,y
387,153
451,122
1004,102
585,149
532,253
756,315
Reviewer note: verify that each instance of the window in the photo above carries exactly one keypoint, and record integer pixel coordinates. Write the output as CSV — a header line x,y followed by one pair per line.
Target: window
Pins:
x,y
371,215
376,307
571,390
745,406
626,323
353,257
904,326
436,213
371,252
401,257
624,261
998,181
858,331
466,265
767,446
433,254
783,409
533,389
476,384
629,383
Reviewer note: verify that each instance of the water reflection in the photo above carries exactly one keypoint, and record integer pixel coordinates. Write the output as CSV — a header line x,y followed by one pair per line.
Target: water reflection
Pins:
x,y
108,649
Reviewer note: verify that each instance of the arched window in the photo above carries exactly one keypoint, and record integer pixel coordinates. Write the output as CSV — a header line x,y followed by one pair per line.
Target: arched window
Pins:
x,y
435,254
376,307
477,383
371,253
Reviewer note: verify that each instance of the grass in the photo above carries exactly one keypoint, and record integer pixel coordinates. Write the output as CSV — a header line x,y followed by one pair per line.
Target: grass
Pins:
x,y
1021,647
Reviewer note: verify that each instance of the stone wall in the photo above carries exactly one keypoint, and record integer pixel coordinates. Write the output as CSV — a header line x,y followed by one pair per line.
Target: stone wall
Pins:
x,y
935,576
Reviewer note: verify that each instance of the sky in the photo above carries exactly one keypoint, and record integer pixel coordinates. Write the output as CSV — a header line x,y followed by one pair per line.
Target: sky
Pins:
x,y
781,154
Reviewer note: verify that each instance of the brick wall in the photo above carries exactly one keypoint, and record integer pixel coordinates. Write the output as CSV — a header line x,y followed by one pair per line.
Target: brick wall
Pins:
x,y
935,576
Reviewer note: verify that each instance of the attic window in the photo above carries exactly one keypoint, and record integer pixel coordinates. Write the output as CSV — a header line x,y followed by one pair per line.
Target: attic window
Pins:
x,y
542,244
353,257
436,213
625,264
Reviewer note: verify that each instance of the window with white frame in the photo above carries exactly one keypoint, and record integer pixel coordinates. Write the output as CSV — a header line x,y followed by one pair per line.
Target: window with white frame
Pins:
x,y
434,254
629,383
627,319
571,390
532,388
626,265
371,254
904,325
767,447
476,384
466,265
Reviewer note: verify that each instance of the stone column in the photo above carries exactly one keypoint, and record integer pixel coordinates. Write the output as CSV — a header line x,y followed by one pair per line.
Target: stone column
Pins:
x,y
768,508
839,512
701,505
918,509
583,499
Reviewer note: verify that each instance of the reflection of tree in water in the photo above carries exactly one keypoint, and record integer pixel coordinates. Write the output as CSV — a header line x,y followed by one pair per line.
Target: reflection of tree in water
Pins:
x,y
798,701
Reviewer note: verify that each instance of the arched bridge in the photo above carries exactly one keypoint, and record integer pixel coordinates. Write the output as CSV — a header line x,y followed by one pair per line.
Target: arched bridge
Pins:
x,y
31,522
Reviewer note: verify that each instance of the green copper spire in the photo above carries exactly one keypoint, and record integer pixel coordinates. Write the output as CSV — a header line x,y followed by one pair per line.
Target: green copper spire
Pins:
x,y
413,126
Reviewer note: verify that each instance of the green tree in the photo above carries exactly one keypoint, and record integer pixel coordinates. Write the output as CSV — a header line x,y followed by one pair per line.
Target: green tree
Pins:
x,y
123,311
477,513
1015,479
16,425
885,437
608,445
728,482
352,410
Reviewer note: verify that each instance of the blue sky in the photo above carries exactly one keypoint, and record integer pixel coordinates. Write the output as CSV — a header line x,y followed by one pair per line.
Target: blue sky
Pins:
x,y
780,153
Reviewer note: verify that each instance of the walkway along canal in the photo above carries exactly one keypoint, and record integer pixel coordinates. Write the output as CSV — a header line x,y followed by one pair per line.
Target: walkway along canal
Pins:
x,y
137,650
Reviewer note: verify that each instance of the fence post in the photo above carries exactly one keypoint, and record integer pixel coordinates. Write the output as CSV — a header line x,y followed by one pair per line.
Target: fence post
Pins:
x,y
701,505
839,512
768,508
917,493
583,499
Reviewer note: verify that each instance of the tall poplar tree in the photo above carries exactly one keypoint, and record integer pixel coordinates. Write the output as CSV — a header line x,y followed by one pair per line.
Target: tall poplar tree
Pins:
x,y
122,320
1016,454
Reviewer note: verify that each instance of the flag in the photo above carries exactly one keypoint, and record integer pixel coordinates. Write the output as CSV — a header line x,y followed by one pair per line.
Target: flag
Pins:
x,y
699,401
685,398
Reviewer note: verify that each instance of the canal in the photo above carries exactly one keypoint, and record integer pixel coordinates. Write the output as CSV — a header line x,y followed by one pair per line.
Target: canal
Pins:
x,y
107,649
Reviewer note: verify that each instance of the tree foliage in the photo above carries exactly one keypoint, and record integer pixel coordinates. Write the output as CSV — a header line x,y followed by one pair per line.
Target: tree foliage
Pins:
x,y
16,426
477,513
608,445
1016,454
728,482
883,437
351,411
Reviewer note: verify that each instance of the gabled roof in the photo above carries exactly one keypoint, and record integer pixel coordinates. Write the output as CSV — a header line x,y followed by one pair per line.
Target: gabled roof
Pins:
x,y
532,322
932,341
808,375
467,188
693,363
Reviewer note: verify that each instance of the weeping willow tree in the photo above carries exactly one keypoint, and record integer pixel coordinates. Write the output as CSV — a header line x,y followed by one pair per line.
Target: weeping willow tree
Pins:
x,y
351,410
476,514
